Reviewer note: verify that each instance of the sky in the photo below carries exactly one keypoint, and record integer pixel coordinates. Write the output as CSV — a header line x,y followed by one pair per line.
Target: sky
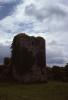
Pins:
x,y
46,18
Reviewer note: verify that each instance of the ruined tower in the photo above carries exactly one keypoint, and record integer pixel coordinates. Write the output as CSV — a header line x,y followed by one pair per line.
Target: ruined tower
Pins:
x,y
29,57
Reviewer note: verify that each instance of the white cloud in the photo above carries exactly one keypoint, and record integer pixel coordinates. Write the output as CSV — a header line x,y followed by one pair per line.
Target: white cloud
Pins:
x,y
47,18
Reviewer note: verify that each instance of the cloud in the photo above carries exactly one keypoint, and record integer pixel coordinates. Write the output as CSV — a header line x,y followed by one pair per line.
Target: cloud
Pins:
x,y
55,53
47,18
43,13
56,15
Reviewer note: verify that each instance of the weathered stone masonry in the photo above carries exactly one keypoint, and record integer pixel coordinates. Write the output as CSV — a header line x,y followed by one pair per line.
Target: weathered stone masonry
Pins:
x,y
38,69
37,72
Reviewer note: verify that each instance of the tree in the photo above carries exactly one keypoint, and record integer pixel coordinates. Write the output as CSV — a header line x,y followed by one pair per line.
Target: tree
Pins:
x,y
56,73
66,72
66,69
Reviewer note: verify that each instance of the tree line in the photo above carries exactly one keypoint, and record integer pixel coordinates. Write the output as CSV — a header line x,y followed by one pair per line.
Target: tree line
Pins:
x,y
57,73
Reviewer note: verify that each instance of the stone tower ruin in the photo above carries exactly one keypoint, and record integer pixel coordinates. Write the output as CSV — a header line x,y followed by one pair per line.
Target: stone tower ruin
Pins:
x,y
35,45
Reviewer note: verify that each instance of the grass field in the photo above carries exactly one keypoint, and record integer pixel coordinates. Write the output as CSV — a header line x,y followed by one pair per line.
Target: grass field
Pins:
x,y
46,91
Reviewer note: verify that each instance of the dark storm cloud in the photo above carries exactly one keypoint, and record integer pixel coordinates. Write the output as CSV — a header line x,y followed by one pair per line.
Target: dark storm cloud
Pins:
x,y
6,9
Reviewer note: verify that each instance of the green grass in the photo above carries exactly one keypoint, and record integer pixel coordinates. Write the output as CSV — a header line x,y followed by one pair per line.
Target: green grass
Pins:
x,y
46,91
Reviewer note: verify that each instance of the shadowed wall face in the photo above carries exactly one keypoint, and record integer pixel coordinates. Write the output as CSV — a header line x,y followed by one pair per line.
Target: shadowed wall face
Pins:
x,y
28,54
